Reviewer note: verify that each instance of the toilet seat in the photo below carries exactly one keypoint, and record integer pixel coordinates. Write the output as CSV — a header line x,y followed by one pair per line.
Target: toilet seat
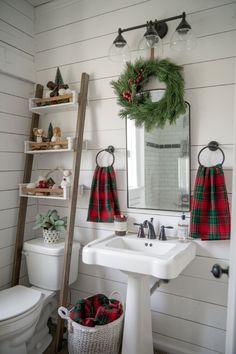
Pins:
x,y
17,302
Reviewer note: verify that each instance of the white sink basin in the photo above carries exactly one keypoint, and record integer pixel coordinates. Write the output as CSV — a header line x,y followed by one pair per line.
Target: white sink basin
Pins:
x,y
140,258
162,259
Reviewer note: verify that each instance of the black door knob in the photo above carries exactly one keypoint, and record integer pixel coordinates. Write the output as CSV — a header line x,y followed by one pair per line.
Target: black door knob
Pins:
x,y
217,270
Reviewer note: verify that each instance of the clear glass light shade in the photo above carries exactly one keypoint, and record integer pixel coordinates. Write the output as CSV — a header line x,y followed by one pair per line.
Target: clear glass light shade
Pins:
x,y
119,53
146,44
183,40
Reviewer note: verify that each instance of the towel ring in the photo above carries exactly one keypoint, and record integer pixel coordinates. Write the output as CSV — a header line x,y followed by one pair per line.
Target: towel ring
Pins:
x,y
213,146
111,150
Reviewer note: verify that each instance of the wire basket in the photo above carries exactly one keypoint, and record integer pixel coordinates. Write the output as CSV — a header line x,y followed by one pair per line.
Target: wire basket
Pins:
x,y
105,339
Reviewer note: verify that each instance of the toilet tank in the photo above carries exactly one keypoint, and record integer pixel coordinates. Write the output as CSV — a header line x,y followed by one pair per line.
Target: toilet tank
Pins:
x,y
45,263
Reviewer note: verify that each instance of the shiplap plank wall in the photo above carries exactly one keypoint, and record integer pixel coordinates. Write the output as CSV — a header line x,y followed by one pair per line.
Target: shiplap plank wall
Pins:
x,y
189,313
16,77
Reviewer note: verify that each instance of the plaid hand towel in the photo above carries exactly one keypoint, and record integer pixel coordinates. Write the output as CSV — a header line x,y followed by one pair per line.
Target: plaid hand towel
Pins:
x,y
96,310
210,215
104,203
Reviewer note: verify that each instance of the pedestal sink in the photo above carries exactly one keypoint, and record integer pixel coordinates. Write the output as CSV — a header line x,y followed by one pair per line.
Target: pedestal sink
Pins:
x,y
139,258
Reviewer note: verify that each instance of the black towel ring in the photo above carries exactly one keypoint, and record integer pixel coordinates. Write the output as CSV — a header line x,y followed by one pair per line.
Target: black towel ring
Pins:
x,y
213,146
111,150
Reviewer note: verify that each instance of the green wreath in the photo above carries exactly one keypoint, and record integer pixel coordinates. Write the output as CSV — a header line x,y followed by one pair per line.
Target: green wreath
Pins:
x,y
138,105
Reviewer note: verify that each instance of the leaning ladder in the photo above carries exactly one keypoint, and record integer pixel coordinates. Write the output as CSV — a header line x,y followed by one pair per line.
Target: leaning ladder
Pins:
x,y
82,100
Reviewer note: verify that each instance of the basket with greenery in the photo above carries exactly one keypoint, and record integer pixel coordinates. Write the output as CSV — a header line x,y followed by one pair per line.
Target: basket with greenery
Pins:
x,y
52,225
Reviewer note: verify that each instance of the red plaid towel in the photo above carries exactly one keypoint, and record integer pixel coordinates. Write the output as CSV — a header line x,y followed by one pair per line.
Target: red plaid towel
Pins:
x,y
210,215
104,203
96,310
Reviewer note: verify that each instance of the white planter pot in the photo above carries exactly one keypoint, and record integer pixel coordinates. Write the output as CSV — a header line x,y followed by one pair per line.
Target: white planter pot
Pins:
x,y
51,236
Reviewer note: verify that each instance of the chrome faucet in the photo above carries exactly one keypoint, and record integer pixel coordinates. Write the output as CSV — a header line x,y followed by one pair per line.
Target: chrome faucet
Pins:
x,y
151,231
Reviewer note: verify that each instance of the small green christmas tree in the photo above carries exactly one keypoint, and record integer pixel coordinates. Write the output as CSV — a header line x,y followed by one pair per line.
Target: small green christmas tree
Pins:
x,y
50,132
58,78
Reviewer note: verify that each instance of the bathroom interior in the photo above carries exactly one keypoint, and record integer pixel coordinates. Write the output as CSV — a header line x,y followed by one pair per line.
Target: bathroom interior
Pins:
x,y
189,310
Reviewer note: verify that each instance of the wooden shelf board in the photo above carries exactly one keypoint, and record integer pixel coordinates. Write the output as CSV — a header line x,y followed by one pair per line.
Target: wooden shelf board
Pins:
x,y
69,106
68,144
43,196
57,193
47,151
52,99
42,190
58,107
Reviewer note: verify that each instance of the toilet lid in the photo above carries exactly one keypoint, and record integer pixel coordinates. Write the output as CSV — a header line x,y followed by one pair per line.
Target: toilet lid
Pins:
x,y
17,300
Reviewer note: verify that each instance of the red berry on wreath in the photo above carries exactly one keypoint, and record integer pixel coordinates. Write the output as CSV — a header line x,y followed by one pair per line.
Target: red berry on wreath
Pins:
x,y
127,95
139,78
131,81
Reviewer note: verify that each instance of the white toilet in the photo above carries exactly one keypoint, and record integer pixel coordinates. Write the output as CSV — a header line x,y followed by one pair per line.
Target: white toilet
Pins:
x,y
24,311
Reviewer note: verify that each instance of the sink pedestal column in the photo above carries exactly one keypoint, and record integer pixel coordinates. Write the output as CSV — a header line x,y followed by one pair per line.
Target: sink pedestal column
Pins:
x,y
137,338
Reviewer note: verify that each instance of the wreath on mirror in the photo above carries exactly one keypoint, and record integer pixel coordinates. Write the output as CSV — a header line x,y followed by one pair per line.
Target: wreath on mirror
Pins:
x,y
137,104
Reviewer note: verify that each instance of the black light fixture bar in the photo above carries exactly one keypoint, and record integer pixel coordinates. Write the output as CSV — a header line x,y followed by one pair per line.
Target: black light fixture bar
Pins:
x,y
182,39
168,19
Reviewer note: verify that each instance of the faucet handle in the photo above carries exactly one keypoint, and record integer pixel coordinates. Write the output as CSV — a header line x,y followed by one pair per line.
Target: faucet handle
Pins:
x,y
162,235
141,233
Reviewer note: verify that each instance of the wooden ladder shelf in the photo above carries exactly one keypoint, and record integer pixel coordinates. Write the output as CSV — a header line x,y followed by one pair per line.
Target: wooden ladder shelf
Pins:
x,y
82,100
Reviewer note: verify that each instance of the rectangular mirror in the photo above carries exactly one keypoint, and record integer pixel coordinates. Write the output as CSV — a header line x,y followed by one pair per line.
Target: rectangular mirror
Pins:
x,y
158,164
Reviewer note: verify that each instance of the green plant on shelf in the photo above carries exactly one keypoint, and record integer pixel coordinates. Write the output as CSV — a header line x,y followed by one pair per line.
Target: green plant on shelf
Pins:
x,y
50,221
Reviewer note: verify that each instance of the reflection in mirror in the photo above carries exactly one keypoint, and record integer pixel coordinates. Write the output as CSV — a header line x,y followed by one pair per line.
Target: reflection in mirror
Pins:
x,y
159,164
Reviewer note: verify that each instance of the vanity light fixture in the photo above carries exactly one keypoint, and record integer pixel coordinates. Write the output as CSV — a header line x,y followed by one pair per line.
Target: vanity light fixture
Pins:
x,y
182,39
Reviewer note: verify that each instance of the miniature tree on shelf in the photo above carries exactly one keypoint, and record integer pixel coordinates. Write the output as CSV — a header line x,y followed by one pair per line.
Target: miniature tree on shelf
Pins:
x,y
56,86
50,132
58,78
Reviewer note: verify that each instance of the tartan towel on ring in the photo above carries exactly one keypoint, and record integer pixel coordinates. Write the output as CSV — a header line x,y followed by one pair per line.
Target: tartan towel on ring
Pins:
x,y
210,215
103,203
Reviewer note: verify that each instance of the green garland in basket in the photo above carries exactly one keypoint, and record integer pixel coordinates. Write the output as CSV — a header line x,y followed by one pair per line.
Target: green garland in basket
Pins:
x,y
137,104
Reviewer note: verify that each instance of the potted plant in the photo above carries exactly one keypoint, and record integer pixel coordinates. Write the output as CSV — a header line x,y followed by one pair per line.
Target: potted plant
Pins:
x,y
52,225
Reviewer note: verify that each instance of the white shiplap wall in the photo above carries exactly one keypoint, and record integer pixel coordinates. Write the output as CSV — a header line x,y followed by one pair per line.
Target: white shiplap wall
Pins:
x,y
189,313
17,75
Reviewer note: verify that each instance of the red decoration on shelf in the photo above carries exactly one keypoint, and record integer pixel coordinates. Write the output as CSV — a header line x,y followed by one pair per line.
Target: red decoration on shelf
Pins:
x,y
42,184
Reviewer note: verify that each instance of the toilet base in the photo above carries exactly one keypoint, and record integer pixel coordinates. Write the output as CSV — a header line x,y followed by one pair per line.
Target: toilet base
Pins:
x,y
41,338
